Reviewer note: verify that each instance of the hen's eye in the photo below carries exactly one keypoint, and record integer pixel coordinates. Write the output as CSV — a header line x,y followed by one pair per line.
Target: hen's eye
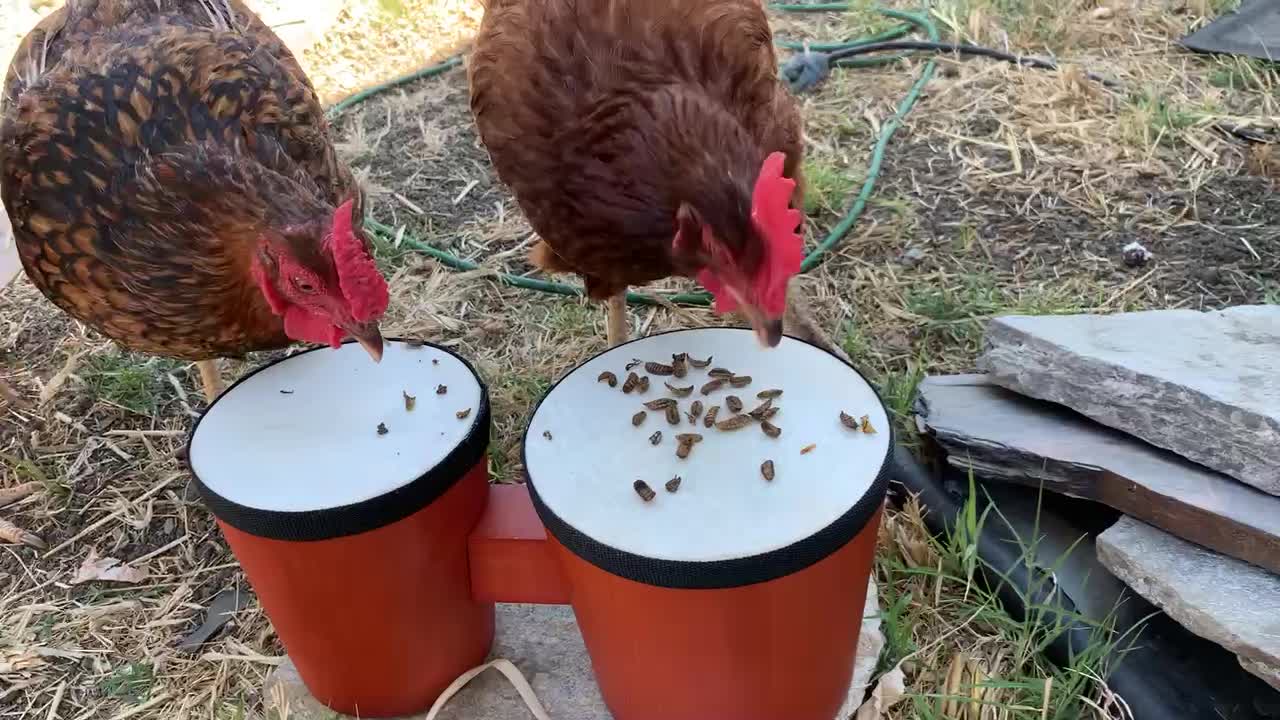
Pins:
x,y
304,286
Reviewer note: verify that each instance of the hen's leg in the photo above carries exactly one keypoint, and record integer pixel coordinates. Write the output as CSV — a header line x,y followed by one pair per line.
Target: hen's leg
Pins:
x,y
617,327
799,322
11,533
211,378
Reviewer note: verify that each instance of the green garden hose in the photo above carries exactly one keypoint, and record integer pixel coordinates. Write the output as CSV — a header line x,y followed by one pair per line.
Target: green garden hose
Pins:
x,y
910,21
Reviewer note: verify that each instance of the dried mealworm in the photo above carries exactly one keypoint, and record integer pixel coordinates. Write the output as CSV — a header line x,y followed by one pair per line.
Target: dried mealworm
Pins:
x,y
679,391
638,418
737,422
689,438
655,438
720,373
608,377
657,368
695,410
734,403
679,367
711,387
766,469
808,448
673,484
710,419
632,381
700,364
462,414
761,412
740,381
645,492
769,394
660,404
644,385
673,414
683,450
409,401
442,389
866,425
848,421
382,429
769,428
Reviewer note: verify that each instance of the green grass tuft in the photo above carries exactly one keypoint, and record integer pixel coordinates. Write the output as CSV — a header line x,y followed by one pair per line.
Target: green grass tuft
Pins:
x,y
574,317
827,187
131,683
128,381
929,601
1246,74
1156,120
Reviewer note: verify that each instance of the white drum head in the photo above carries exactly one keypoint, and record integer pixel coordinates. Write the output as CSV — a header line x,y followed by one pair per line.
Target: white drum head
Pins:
x,y
583,454
327,430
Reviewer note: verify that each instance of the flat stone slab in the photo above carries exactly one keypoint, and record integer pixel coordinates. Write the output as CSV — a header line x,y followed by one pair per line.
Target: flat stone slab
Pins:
x,y
1004,436
1231,603
1205,385
544,643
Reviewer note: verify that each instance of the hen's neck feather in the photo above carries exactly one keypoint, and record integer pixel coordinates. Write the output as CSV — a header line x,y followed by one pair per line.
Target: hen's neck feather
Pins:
x,y
209,207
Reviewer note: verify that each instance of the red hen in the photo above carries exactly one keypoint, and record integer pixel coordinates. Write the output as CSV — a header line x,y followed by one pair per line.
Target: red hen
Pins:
x,y
645,139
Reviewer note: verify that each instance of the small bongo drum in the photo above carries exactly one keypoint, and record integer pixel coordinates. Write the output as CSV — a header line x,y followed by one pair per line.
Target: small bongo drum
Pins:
x,y
347,490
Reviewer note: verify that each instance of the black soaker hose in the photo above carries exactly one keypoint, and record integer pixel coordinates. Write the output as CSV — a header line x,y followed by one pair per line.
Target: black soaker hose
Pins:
x,y
1161,670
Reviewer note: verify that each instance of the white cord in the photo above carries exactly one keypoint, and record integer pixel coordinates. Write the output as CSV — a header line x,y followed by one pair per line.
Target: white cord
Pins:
x,y
506,667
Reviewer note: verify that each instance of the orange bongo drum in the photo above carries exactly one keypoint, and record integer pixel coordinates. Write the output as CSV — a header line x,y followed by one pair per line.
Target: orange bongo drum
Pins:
x,y
735,596
347,490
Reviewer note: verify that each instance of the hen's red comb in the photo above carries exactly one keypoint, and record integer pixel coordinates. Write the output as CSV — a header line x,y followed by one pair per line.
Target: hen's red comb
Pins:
x,y
362,285
777,222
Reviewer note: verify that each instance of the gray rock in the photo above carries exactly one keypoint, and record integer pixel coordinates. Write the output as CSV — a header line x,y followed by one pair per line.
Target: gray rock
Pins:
x,y
1004,436
544,642
1203,385
1231,603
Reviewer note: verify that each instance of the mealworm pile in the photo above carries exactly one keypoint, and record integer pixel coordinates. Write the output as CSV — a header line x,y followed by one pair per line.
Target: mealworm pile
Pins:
x,y
715,404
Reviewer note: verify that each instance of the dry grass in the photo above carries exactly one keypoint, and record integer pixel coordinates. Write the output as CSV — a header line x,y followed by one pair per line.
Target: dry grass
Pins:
x,y
1008,190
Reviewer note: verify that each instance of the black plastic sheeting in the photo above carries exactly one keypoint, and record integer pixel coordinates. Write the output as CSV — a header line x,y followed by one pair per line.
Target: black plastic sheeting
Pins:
x,y
1164,671
1252,30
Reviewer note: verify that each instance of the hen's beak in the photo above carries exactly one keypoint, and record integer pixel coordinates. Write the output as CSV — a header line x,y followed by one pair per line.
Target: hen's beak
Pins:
x,y
768,330
769,333
369,337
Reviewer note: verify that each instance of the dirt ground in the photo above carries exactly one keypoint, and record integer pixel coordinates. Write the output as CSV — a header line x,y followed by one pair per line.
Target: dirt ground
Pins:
x,y
1007,190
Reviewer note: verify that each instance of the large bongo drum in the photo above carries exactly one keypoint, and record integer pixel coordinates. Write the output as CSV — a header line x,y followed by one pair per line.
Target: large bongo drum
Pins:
x,y
736,594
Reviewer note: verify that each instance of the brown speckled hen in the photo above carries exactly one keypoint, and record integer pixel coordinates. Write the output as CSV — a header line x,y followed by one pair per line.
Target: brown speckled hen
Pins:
x,y
645,139
170,178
